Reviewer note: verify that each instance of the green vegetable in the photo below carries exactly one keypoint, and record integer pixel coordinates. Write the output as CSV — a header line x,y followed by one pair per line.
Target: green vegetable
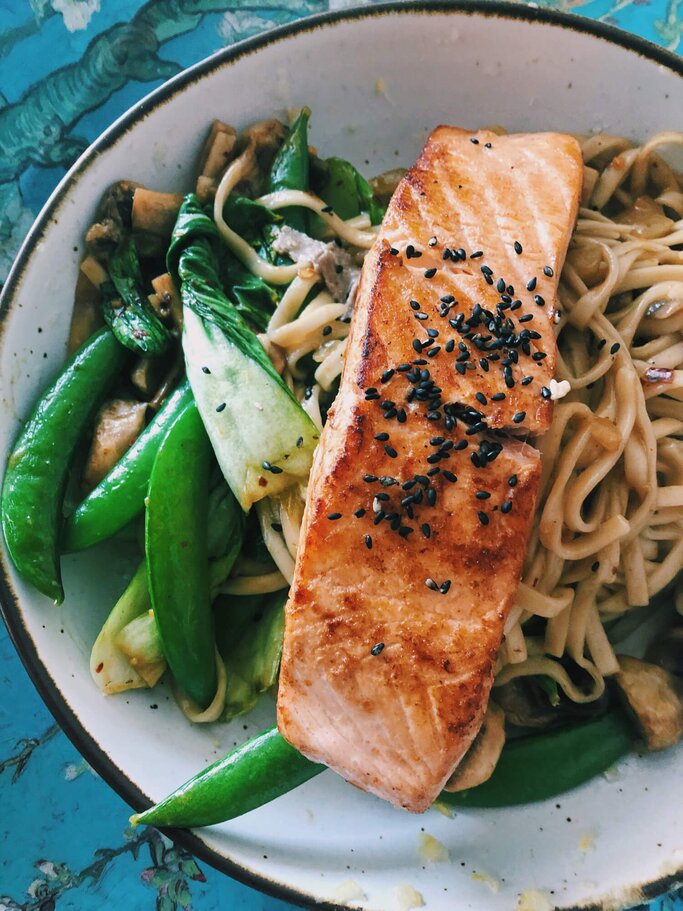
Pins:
x,y
250,642
549,687
128,653
251,296
262,437
291,166
544,765
111,669
139,642
252,775
125,307
120,496
343,188
530,769
177,555
37,470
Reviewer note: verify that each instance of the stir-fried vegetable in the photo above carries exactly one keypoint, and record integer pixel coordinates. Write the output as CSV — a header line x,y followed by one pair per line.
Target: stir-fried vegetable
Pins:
x,y
291,167
345,190
37,471
178,558
126,310
120,496
530,769
262,437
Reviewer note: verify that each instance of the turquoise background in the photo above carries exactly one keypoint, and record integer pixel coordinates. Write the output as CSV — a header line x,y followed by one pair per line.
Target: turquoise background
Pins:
x,y
67,69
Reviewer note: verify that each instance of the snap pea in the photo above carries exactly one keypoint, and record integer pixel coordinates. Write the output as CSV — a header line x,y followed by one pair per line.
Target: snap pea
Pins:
x,y
291,167
530,769
257,772
37,470
120,496
543,765
177,555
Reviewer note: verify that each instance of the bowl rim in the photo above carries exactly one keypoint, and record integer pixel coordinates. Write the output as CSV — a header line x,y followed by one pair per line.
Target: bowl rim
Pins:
x,y
10,609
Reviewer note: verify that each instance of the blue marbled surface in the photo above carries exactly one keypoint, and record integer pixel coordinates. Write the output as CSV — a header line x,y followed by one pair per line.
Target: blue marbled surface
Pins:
x,y
63,837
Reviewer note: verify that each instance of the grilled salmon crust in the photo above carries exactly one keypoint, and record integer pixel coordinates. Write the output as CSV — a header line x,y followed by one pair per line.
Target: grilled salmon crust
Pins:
x,y
422,493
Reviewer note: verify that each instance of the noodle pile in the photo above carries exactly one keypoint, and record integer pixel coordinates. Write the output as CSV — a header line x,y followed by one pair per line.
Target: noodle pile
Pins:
x,y
608,534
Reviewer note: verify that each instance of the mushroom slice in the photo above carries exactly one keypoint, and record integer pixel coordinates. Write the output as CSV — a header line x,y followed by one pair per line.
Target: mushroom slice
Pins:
x,y
655,697
118,424
482,757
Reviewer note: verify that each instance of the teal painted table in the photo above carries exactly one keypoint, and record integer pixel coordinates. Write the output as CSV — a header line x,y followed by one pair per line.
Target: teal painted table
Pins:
x,y
63,840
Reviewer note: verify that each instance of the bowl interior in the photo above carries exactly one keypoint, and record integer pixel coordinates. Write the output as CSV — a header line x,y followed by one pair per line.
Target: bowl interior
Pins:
x,y
377,83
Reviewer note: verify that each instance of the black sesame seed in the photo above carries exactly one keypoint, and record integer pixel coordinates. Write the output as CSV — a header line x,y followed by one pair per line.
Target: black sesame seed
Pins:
x,y
327,330
461,369
426,530
497,396
381,437
539,300
401,415
433,472
443,588
460,445
370,478
515,305
220,407
484,364
359,513
421,316
333,516
547,270
446,253
538,356
595,566
406,530
500,285
526,380
393,251
415,305
602,343
417,345
432,333
519,417
386,481
434,351
512,480
461,253
518,247
390,451
449,476
474,140
527,317
430,583
387,375
368,542
615,347
531,284
276,526
377,649
480,397
477,254
430,273
545,392
205,370
299,442
482,495
449,346
326,209
483,518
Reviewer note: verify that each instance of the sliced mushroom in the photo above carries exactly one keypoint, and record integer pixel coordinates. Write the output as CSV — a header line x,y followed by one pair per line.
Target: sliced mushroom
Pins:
x,y
218,149
384,184
86,315
263,139
655,698
113,219
482,757
117,426
155,213
148,374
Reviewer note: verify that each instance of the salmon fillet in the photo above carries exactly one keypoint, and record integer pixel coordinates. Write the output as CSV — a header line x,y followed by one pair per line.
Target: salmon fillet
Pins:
x,y
423,488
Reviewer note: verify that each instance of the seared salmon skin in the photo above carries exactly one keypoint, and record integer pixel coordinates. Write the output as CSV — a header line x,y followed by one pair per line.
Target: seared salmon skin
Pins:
x,y
424,484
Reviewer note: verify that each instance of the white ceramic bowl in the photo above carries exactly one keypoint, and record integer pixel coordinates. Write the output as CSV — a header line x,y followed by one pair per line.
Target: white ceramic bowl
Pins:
x,y
377,80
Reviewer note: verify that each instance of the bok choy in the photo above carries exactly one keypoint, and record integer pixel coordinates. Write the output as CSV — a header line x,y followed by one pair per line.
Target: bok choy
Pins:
x,y
262,437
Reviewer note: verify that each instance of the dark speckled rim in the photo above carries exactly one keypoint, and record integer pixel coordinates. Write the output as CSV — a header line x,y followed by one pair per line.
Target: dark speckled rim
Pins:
x,y
9,605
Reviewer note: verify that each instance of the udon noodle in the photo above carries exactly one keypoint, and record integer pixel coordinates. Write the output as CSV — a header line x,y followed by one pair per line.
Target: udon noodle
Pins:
x,y
608,534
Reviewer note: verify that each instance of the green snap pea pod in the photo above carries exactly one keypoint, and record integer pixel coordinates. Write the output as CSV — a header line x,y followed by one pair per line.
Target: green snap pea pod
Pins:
x,y
544,765
37,470
257,772
120,496
291,167
178,558
530,769
125,308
